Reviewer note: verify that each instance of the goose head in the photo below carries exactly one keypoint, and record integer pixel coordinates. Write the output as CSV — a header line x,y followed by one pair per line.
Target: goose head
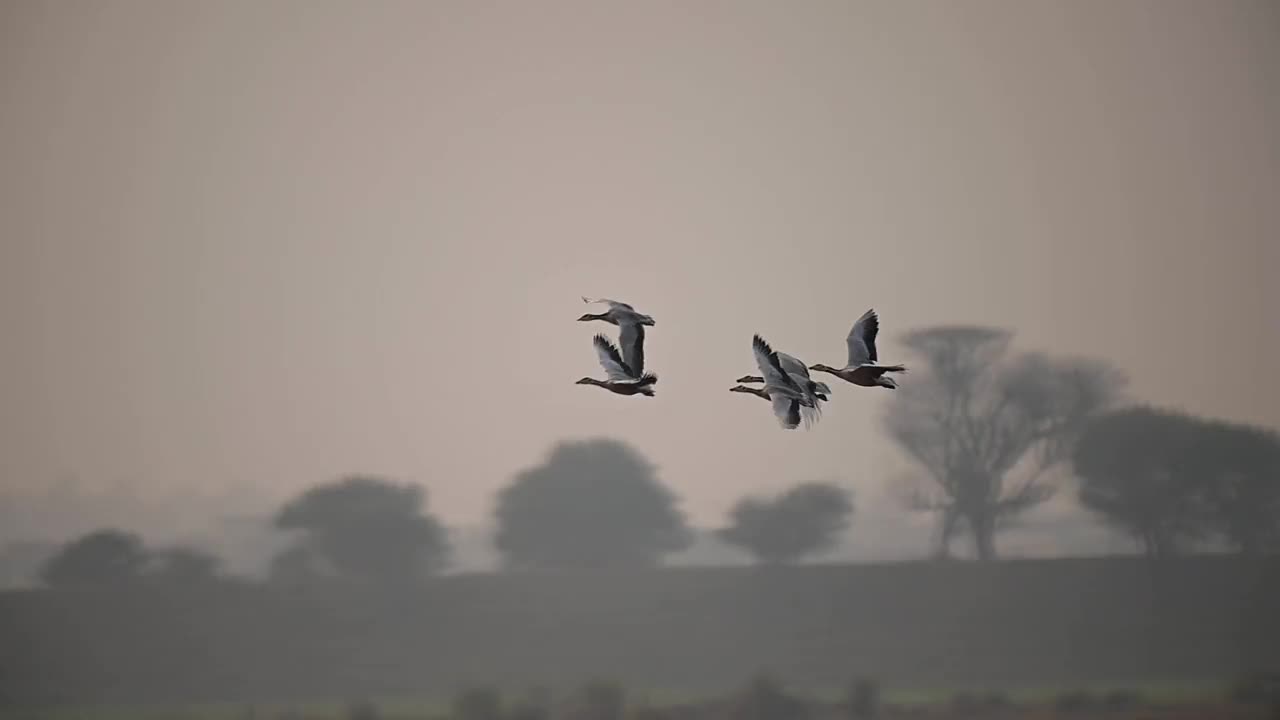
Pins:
x,y
749,379
749,390
823,368
592,316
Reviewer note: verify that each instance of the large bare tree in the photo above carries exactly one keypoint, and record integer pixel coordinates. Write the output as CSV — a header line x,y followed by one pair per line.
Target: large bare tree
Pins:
x,y
987,425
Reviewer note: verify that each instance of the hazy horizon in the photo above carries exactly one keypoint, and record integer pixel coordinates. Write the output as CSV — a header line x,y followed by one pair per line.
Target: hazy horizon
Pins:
x,y
253,247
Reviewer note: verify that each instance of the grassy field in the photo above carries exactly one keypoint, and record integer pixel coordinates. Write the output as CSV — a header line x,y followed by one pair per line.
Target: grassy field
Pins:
x,y
1205,701
697,633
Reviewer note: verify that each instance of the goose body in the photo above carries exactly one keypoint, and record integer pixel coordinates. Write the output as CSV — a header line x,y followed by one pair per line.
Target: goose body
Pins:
x,y
862,366
621,378
790,416
783,390
814,390
631,325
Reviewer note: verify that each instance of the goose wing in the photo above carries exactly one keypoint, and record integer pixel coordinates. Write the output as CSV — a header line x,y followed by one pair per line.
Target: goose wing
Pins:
x,y
810,415
862,339
611,303
786,409
631,338
792,365
771,369
614,368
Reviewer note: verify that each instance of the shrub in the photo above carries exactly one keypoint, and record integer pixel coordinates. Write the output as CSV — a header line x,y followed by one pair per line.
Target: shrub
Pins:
x,y
601,700
649,712
1122,700
1075,701
1257,688
995,700
528,710
864,699
765,699
965,704
480,703
362,710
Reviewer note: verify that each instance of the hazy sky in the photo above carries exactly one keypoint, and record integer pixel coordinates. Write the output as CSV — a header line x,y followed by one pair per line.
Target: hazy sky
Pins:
x,y
248,246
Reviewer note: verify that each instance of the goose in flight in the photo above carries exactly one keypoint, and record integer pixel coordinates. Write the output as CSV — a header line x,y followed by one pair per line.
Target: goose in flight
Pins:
x,y
631,326
783,390
863,367
816,391
621,379
618,313
789,420
795,368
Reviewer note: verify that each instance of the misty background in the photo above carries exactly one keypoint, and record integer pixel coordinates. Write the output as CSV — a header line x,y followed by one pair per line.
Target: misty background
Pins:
x,y
287,306
248,248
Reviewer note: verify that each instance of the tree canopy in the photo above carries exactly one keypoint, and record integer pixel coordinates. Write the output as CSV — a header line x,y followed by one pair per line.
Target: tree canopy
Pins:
x,y
799,522
365,528
103,558
1172,480
593,504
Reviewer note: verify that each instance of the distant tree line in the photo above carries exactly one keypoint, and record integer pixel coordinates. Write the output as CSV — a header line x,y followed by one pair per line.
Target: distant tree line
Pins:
x,y
993,432
120,559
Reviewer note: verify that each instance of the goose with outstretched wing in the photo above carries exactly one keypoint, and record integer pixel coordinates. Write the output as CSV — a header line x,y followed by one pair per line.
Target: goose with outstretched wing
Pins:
x,y
785,393
863,367
817,391
621,379
618,313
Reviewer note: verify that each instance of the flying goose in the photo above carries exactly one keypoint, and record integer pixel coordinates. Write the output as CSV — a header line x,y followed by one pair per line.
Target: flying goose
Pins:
x,y
816,391
618,313
790,420
795,368
784,391
631,326
621,379
863,367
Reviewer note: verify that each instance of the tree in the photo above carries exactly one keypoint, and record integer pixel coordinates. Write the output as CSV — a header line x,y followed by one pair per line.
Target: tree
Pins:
x,y
367,528
593,504
185,566
1240,466
1171,479
806,519
987,426
103,558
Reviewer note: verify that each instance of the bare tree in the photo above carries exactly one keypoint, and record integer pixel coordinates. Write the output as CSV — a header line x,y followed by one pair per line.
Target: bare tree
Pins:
x,y
987,426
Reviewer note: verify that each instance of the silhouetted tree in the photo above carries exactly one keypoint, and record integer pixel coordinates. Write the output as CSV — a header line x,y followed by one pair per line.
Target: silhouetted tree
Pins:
x,y
1171,479
185,566
765,698
804,520
297,565
593,504
367,528
1240,466
103,558
987,426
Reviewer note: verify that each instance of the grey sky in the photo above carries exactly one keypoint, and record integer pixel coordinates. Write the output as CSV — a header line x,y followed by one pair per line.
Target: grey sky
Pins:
x,y
246,246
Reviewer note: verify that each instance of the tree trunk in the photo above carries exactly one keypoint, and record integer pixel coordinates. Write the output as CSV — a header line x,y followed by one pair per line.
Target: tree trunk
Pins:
x,y
983,527
946,529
